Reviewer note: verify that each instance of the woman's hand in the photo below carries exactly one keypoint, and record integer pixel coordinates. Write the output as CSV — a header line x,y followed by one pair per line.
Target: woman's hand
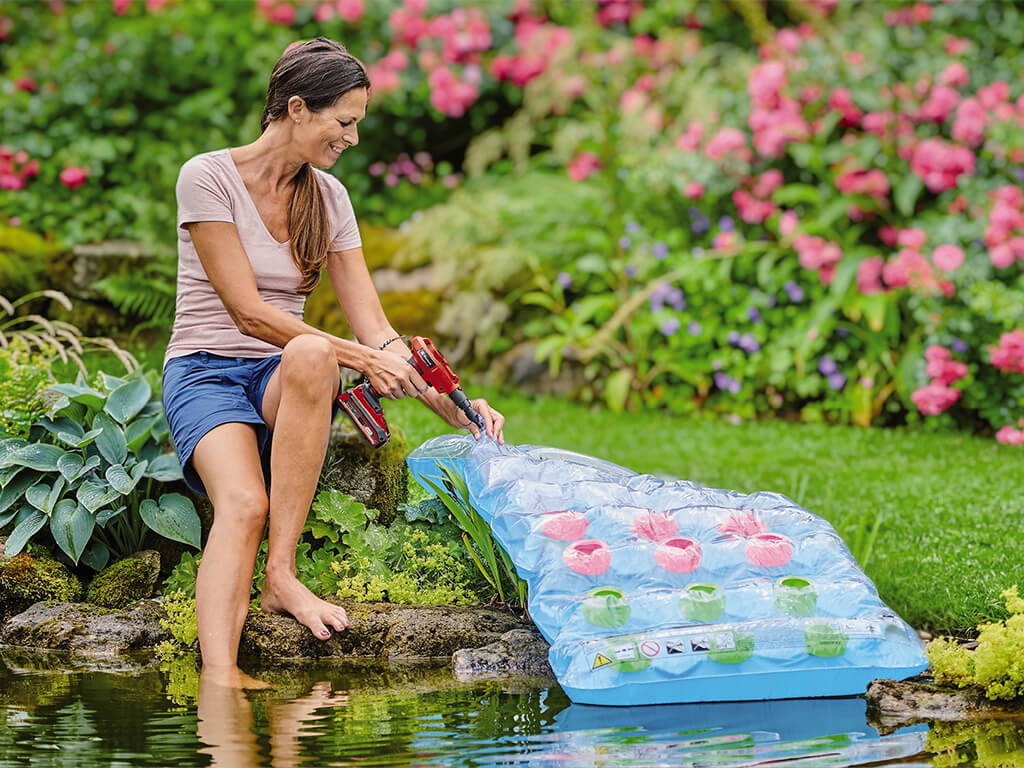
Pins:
x,y
493,420
393,377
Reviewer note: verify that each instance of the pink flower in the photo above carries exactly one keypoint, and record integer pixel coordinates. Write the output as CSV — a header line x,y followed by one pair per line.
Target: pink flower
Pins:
x,y
583,165
1010,436
690,140
752,211
940,163
1008,355
969,125
888,236
993,95
841,100
788,223
954,74
726,141
11,181
873,183
768,182
940,105
121,6
876,123
954,46
25,84
911,238
284,15
765,82
934,399
869,275
72,177
945,372
693,190
948,257
448,94
1001,256
937,353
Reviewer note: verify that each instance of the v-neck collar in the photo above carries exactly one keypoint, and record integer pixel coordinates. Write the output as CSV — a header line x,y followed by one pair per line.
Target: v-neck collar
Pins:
x,y
245,190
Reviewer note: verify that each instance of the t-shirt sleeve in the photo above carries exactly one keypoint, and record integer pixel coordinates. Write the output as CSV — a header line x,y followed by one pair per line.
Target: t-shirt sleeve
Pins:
x,y
202,194
344,227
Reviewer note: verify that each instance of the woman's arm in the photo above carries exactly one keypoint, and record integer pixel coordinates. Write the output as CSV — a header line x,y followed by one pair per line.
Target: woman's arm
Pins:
x,y
360,302
226,265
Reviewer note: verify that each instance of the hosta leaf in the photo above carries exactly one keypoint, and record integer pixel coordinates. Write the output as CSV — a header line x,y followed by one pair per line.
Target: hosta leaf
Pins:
x,y
164,468
96,555
43,497
111,443
120,480
128,399
10,445
62,425
79,441
173,517
13,491
78,393
72,525
38,456
69,465
92,495
107,514
137,431
30,521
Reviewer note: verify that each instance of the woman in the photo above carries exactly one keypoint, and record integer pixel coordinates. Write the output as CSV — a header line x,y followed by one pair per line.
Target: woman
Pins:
x,y
256,225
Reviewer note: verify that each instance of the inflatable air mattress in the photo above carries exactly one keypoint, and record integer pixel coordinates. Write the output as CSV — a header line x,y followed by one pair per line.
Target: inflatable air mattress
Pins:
x,y
656,591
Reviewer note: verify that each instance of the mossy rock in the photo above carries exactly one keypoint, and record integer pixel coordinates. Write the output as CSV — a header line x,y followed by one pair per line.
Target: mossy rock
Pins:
x,y
377,477
30,578
125,582
23,259
410,312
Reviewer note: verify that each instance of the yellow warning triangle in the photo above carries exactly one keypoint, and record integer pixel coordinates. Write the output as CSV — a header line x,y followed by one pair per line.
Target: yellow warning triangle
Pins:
x,y
601,661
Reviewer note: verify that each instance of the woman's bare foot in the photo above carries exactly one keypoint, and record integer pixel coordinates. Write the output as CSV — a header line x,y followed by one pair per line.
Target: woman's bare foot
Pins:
x,y
286,594
230,677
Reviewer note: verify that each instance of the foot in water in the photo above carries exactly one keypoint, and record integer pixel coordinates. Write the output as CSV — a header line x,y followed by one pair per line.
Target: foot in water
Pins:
x,y
286,594
230,677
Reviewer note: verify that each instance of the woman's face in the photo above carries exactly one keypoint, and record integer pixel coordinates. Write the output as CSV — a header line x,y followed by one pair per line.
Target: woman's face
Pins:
x,y
324,135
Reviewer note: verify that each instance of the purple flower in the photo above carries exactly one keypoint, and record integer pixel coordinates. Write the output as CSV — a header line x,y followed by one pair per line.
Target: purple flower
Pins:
x,y
676,300
733,338
564,279
670,326
1018,174
754,314
842,332
660,250
837,380
770,300
632,227
748,343
726,224
624,242
699,223
694,328
727,383
959,345
794,291
827,366
630,270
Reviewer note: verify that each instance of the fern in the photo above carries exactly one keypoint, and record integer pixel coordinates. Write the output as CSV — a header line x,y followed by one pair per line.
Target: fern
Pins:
x,y
147,295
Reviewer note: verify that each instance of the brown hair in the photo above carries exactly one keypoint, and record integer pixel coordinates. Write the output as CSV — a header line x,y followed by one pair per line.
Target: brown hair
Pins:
x,y
319,71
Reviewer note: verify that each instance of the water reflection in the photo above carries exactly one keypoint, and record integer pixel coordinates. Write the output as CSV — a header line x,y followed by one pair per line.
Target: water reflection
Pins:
x,y
420,716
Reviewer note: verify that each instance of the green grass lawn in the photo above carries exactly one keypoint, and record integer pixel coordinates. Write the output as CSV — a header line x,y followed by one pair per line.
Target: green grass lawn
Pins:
x,y
951,505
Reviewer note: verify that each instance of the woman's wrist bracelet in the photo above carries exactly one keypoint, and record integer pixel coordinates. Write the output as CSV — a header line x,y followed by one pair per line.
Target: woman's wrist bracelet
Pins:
x,y
389,341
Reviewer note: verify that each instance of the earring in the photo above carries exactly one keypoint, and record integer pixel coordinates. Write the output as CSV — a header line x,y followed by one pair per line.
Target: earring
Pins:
x,y
296,122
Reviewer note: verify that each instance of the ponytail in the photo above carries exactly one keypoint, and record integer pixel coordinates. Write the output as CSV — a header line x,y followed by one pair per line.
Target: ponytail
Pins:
x,y
308,227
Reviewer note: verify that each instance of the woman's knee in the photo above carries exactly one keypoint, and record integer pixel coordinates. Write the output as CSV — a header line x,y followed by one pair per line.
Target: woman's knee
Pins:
x,y
246,508
309,358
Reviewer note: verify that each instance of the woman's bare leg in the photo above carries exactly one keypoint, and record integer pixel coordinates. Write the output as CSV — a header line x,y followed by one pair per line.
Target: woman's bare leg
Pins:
x,y
297,407
227,460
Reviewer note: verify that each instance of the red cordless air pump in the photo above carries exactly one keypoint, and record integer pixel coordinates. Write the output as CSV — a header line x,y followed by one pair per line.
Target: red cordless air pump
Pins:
x,y
362,402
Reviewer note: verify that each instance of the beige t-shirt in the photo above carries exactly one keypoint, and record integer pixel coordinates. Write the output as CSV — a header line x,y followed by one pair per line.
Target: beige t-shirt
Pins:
x,y
211,189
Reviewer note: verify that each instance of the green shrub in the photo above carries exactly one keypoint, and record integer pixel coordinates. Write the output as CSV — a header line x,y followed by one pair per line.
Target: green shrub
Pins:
x,y
995,664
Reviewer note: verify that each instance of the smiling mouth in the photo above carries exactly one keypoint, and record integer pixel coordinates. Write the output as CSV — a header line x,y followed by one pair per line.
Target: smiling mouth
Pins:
x,y
336,148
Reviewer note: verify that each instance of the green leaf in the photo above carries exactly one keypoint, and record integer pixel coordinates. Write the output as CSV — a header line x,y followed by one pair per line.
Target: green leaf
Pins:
x,y
10,445
78,393
72,525
69,465
31,520
14,489
173,518
111,443
92,495
78,441
165,468
43,497
128,399
38,456
107,514
62,425
96,555
906,193
616,389
136,432
119,479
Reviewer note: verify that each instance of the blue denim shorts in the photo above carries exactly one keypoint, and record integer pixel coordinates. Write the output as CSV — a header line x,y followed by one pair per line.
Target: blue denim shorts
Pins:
x,y
203,391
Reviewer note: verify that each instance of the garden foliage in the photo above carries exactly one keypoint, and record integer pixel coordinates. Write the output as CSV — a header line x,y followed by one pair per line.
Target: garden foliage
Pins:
x,y
88,472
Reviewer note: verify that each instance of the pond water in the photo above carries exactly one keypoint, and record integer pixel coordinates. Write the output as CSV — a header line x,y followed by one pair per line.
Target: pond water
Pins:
x,y
418,715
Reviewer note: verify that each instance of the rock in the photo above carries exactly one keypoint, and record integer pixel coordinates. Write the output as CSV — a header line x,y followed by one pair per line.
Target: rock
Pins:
x,y
28,578
519,653
84,629
125,582
380,630
893,704
377,477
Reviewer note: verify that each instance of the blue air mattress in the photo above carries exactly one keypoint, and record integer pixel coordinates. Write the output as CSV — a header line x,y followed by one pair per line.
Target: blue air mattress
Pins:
x,y
656,591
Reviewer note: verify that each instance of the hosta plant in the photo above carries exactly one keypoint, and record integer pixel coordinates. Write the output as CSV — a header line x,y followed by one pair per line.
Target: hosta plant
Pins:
x,y
87,473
